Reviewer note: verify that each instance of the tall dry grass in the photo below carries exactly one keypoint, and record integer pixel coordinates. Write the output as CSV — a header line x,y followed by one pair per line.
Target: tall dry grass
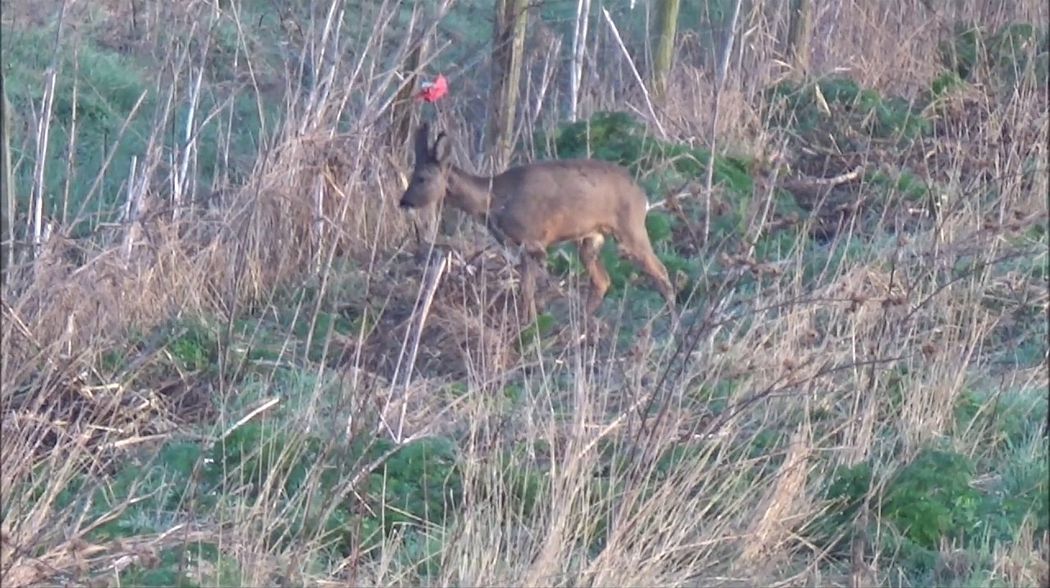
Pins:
x,y
806,374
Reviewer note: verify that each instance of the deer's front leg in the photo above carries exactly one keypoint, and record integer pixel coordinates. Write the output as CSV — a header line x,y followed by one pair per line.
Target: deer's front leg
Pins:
x,y
528,287
533,256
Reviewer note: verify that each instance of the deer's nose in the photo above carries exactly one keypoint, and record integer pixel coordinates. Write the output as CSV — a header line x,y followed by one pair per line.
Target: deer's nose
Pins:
x,y
404,203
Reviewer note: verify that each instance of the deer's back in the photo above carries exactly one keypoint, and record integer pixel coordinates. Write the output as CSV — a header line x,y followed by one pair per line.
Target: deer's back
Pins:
x,y
552,201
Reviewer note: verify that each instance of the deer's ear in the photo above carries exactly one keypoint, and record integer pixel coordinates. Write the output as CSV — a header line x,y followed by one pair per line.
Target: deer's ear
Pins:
x,y
442,149
421,145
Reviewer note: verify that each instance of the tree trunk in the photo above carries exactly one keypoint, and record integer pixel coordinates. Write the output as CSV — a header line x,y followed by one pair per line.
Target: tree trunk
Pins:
x,y
507,53
7,191
404,104
579,43
799,33
667,23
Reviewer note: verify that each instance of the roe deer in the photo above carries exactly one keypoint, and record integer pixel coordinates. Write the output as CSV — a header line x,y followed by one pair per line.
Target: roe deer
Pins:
x,y
537,205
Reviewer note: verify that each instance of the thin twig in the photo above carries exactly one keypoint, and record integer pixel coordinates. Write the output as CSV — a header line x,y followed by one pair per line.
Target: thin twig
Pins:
x,y
723,68
431,281
258,410
634,70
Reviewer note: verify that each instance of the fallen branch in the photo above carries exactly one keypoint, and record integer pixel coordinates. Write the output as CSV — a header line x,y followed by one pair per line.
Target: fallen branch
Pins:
x,y
794,185
812,184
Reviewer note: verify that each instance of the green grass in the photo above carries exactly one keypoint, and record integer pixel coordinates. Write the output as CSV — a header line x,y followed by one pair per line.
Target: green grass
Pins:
x,y
577,462
108,85
973,501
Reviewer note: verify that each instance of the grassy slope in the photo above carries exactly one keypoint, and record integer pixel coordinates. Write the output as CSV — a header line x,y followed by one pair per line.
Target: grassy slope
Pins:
x,y
856,388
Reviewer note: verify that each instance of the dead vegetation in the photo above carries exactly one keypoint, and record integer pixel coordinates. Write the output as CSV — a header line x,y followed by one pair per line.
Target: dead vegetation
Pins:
x,y
294,296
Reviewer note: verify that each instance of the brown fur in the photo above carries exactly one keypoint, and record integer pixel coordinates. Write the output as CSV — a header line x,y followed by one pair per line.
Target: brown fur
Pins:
x,y
538,205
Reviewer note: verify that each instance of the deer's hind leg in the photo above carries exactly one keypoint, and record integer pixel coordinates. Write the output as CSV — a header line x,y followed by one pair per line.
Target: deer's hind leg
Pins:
x,y
590,246
635,245
533,256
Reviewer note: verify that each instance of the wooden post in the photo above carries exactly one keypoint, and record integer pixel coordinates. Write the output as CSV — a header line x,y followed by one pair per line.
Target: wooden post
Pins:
x,y
667,23
508,48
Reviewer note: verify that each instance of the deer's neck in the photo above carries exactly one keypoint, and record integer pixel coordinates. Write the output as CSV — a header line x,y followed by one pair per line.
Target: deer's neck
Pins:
x,y
469,193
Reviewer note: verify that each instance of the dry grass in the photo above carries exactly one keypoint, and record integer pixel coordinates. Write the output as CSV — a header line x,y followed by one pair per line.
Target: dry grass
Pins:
x,y
767,388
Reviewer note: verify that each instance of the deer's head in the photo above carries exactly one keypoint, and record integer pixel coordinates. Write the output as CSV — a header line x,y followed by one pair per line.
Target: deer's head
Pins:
x,y
430,176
